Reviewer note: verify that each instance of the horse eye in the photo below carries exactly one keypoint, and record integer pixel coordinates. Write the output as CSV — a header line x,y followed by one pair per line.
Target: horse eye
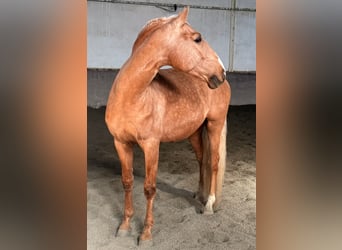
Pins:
x,y
198,39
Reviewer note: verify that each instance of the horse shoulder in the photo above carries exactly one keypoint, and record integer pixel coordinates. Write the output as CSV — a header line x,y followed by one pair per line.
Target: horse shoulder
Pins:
x,y
219,102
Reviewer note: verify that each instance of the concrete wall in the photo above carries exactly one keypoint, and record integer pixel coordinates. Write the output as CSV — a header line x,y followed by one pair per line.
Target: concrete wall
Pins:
x,y
100,82
113,27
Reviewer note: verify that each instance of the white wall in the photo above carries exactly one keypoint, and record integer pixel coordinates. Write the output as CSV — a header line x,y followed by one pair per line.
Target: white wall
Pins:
x,y
113,27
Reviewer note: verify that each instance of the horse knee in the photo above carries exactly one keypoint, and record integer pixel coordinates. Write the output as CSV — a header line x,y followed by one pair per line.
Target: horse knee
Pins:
x,y
127,185
149,191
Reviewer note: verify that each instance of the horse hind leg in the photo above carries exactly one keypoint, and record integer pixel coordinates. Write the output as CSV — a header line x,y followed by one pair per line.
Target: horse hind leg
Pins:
x,y
197,145
217,140
125,152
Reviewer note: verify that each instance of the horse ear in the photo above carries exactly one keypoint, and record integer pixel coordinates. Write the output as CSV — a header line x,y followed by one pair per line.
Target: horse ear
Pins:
x,y
181,19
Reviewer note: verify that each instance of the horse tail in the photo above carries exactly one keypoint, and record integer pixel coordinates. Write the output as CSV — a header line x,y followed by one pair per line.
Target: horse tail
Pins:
x,y
206,166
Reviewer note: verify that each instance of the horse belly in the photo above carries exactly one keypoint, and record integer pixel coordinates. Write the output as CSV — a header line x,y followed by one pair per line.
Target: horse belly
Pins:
x,y
177,130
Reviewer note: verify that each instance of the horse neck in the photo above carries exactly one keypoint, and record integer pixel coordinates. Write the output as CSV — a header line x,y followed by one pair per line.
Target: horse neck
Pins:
x,y
139,70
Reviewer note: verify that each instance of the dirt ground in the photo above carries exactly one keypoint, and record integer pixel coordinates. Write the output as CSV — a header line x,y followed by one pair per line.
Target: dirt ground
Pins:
x,y
178,221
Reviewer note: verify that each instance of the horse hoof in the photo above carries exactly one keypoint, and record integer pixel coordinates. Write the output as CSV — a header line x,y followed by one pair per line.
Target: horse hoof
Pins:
x,y
145,243
208,211
122,233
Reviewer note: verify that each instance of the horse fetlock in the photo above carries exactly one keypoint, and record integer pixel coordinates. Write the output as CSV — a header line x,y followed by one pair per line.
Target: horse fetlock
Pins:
x,y
124,229
208,209
148,224
146,234
128,214
145,239
199,195
125,224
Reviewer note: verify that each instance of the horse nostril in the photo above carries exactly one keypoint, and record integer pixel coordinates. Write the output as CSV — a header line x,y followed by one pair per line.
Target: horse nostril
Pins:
x,y
214,81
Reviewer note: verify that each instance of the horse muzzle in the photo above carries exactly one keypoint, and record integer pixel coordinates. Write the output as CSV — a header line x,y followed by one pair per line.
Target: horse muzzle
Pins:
x,y
214,81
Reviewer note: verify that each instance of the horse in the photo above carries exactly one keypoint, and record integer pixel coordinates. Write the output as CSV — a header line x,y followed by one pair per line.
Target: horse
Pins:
x,y
148,105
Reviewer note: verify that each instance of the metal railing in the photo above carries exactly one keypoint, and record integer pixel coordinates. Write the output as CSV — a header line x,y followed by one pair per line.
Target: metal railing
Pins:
x,y
173,7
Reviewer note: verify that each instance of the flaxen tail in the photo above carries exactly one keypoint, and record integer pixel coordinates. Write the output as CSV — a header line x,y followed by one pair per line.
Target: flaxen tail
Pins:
x,y
206,168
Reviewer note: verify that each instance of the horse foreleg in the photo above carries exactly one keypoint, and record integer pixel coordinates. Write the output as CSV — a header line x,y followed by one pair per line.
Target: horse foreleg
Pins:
x,y
214,132
151,152
197,145
125,152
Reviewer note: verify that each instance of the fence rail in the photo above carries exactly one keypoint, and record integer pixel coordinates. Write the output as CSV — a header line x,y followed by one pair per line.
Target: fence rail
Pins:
x,y
173,7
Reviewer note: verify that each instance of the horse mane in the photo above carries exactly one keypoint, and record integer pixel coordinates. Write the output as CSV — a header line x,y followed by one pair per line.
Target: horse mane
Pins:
x,y
148,29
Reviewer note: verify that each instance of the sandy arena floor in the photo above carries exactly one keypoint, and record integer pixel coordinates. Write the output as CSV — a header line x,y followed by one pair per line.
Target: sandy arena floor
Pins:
x,y
178,221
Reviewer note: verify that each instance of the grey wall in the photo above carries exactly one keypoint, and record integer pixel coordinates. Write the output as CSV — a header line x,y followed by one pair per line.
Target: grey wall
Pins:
x,y
100,82
113,27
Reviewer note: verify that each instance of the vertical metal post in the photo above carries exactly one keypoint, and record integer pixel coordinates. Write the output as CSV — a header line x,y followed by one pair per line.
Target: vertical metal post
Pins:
x,y
232,36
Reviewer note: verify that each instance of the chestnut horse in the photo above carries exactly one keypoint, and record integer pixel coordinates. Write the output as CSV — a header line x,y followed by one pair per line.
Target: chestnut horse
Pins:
x,y
147,106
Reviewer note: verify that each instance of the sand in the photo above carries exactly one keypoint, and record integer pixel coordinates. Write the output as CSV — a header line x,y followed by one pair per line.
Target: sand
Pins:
x,y
178,221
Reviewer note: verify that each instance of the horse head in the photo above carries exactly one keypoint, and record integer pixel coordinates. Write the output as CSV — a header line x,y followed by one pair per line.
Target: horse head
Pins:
x,y
183,48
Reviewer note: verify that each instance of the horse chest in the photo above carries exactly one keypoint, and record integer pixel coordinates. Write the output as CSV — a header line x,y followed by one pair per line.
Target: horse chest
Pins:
x,y
128,126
